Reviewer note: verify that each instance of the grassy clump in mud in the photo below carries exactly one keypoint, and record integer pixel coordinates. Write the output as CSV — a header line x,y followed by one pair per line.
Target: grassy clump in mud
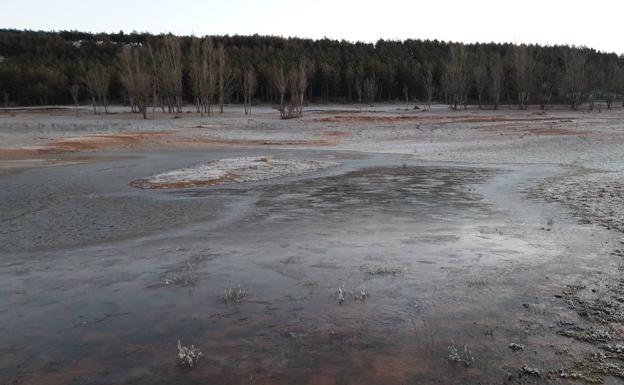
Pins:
x,y
462,356
358,295
381,270
188,356
234,295
182,280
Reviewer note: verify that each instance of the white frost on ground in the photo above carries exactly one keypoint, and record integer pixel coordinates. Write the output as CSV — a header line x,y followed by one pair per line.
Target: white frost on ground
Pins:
x,y
233,170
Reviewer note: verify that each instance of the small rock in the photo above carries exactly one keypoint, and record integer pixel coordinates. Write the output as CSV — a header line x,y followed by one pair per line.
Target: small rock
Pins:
x,y
516,347
530,371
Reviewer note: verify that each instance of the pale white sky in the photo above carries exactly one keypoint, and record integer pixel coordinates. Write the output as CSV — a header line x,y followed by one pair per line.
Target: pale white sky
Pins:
x,y
596,24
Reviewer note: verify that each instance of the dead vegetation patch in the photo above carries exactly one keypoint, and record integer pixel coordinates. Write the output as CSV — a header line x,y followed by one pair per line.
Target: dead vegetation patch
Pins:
x,y
151,184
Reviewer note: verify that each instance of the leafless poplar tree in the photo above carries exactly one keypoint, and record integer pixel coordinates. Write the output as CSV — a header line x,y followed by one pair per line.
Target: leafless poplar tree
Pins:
x,y
523,66
209,68
203,73
196,72
455,78
358,88
225,75
297,86
496,78
427,82
370,90
480,76
279,82
613,81
74,90
574,64
137,77
249,87
167,67
97,81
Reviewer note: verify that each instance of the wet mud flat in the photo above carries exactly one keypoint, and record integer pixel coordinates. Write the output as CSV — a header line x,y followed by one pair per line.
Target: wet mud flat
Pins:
x,y
596,298
382,270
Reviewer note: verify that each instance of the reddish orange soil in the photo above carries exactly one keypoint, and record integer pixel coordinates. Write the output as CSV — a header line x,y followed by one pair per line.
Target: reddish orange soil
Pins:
x,y
107,141
130,140
83,143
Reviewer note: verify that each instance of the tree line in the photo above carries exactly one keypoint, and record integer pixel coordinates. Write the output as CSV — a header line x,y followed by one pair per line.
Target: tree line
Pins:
x,y
165,71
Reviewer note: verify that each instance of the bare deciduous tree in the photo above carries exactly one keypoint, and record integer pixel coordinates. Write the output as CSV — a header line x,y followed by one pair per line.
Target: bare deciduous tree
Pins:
x,y
523,66
167,67
74,90
496,78
613,82
480,76
97,81
455,79
137,77
303,70
203,73
225,75
279,82
427,82
574,64
196,72
358,89
370,90
250,83
297,86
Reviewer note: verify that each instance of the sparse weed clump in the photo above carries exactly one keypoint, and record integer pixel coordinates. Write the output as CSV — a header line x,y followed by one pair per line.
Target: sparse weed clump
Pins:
x,y
188,356
461,356
381,270
183,280
358,295
234,295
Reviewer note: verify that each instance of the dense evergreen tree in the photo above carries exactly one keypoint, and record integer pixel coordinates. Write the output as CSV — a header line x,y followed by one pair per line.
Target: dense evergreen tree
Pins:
x,y
38,68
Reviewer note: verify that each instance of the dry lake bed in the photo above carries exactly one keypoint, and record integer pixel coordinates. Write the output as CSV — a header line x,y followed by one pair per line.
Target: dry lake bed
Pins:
x,y
352,246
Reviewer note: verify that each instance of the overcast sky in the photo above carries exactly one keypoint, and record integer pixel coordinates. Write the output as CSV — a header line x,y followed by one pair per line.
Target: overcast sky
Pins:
x,y
596,24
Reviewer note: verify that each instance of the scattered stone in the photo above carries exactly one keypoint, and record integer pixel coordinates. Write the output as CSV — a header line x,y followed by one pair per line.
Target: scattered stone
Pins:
x,y
593,335
516,347
534,372
617,348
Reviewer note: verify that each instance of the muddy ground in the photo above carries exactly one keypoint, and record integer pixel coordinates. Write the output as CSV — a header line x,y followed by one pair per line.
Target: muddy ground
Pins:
x,y
473,247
